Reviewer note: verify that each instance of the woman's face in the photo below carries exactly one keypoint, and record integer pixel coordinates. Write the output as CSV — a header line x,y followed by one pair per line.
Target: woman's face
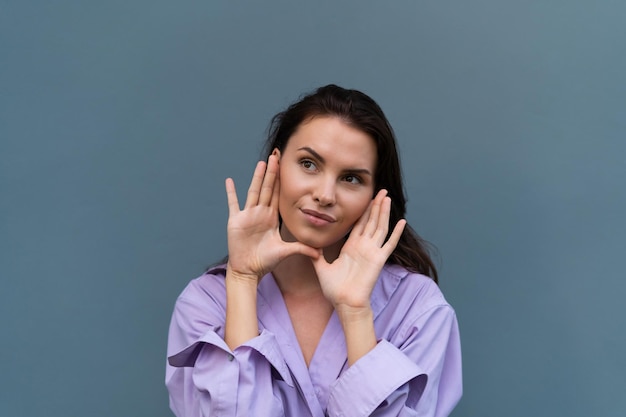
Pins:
x,y
327,174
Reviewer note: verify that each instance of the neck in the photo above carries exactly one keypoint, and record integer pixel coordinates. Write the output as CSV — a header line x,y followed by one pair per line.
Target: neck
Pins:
x,y
296,276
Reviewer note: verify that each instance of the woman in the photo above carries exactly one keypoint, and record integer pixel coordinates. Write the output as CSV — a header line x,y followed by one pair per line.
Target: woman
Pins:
x,y
327,304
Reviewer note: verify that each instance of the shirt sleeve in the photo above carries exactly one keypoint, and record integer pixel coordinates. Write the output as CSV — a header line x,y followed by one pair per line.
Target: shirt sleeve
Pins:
x,y
205,378
421,376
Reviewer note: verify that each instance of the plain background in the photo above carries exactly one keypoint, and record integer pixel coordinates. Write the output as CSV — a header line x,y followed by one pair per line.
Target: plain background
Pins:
x,y
119,121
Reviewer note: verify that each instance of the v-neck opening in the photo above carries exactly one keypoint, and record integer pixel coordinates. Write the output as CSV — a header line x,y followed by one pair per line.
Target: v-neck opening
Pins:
x,y
329,356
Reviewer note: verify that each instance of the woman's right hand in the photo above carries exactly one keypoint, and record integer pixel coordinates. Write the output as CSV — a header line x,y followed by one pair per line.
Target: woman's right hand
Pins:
x,y
255,246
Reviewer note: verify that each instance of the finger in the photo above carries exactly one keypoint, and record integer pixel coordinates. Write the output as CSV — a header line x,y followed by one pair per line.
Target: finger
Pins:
x,y
257,179
269,181
382,226
393,240
276,192
373,221
231,196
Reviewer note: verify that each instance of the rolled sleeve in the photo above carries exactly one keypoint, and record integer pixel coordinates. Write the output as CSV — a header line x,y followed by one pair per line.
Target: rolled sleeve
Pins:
x,y
229,382
205,377
373,379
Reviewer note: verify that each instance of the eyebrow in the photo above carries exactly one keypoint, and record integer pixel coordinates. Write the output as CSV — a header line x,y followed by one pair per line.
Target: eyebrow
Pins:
x,y
323,161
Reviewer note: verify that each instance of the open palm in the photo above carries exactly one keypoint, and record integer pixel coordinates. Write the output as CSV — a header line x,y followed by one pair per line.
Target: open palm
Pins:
x,y
254,242
349,279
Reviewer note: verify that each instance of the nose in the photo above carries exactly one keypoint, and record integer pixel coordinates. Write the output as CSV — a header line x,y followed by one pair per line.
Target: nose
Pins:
x,y
324,192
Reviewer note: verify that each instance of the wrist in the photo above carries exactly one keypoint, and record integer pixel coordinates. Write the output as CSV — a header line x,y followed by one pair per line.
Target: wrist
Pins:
x,y
241,322
233,275
351,314
358,328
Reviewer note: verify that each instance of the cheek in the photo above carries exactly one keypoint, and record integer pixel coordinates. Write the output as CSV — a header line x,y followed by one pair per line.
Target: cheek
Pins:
x,y
293,185
357,208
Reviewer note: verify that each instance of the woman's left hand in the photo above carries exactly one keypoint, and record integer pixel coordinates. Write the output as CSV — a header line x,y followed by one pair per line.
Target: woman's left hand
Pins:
x,y
348,281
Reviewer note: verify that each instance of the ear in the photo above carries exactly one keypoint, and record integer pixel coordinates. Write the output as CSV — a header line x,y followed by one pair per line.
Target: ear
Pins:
x,y
276,152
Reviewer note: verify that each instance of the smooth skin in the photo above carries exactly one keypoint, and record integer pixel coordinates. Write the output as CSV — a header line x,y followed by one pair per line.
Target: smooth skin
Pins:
x,y
327,166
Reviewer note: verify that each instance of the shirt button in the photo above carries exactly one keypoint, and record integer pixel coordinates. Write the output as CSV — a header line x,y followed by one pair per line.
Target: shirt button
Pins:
x,y
230,357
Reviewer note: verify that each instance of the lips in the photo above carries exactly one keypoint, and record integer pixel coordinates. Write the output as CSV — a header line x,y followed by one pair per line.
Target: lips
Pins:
x,y
318,215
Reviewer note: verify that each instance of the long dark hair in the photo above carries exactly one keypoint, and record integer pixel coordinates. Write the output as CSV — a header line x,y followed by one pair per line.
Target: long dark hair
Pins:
x,y
361,112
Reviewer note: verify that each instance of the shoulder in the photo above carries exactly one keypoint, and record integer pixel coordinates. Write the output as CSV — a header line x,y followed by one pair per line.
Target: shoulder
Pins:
x,y
210,279
408,292
199,310
410,306
209,288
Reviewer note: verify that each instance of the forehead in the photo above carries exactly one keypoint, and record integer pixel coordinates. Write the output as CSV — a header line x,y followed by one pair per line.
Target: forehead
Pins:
x,y
334,139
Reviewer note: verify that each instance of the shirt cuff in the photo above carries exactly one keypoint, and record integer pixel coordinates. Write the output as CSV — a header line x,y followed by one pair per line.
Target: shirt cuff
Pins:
x,y
265,344
188,355
372,379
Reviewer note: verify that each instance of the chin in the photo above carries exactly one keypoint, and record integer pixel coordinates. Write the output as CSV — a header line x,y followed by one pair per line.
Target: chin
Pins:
x,y
316,243
321,242
314,239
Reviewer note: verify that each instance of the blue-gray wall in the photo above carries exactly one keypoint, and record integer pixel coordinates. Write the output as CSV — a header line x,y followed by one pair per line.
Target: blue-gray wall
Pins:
x,y
119,121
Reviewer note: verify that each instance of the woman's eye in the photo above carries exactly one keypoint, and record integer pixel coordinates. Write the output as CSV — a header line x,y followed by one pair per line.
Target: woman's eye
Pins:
x,y
308,164
352,179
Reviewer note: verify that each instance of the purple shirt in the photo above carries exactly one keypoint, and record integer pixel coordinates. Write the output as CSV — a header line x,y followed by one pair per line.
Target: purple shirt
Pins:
x,y
414,370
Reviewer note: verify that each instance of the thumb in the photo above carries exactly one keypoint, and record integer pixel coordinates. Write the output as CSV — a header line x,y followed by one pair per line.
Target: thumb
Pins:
x,y
314,254
298,248
319,261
